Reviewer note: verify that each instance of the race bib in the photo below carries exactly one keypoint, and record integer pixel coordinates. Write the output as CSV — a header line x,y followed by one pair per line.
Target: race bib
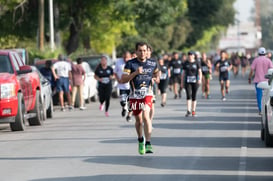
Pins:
x,y
205,69
191,79
140,93
177,70
223,69
163,76
105,80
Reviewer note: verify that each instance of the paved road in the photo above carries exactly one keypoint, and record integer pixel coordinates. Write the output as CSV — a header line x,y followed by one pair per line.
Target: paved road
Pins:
x,y
222,143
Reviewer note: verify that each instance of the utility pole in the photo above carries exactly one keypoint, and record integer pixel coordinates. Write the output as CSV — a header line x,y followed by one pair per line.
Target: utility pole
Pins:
x,y
41,25
51,25
258,22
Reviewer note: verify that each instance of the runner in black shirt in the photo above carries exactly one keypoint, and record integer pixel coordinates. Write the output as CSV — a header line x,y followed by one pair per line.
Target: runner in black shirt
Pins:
x,y
206,72
176,72
104,75
164,78
223,66
139,72
192,75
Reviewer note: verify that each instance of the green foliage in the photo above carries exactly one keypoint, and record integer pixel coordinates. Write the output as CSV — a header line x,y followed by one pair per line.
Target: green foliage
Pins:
x,y
47,53
98,26
205,43
9,41
266,20
205,14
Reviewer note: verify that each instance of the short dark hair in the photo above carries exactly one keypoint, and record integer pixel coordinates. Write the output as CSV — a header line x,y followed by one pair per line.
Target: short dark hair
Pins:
x,y
141,44
79,60
223,51
48,63
149,47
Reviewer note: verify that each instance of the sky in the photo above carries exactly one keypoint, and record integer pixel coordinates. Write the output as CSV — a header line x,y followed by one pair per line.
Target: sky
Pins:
x,y
244,8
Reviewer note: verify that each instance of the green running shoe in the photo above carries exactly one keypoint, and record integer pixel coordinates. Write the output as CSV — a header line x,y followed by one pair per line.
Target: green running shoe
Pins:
x,y
149,148
141,148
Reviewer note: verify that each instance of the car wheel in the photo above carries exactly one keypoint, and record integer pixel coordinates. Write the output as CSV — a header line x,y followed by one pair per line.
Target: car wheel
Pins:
x,y
43,112
49,111
268,139
19,124
36,120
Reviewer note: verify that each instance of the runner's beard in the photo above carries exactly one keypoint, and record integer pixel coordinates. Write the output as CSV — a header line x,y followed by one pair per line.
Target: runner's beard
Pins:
x,y
142,59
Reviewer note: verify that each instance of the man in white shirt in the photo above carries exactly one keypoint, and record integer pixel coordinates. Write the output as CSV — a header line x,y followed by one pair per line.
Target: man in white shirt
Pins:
x,y
62,72
124,88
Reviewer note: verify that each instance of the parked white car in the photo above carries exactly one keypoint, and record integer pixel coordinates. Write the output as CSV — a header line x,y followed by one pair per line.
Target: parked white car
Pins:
x,y
46,94
90,86
267,106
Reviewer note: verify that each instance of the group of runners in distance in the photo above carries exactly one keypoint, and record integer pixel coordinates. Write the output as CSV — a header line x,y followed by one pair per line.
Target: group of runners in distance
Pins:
x,y
141,77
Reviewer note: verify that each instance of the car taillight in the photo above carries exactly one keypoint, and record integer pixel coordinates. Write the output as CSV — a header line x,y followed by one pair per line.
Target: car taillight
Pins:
x,y
7,90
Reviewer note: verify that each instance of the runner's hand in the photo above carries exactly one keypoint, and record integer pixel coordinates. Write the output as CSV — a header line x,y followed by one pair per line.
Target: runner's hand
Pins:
x,y
140,70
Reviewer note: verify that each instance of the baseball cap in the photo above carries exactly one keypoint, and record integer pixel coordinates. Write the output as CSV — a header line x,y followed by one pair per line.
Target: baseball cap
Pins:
x,y
261,51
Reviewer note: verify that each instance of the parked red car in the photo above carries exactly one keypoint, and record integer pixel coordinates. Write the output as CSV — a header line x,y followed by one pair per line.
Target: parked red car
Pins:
x,y
20,98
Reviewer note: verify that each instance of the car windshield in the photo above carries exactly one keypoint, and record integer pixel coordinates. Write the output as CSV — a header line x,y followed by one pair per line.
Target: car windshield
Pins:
x,y
5,65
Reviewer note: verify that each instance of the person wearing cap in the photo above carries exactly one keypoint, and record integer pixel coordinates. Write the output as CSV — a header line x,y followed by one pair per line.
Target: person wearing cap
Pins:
x,y
190,80
260,66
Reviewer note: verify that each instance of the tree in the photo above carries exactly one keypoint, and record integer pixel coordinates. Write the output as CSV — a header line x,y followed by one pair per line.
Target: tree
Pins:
x,y
204,15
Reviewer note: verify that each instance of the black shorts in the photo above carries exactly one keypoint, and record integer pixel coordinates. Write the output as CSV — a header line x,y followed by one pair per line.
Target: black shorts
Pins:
x,y
176,79
162,86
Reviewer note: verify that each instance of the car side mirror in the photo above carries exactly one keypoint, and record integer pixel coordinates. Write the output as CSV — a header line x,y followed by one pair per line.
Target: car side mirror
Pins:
x,y
263,85
269,74
24,69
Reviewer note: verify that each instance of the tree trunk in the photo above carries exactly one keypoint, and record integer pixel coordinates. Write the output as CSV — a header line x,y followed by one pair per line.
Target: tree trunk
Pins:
x,y
75,27
73,41
86,42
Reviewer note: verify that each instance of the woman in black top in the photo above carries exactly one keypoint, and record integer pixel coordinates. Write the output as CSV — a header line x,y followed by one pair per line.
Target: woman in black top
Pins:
x,y
164,79
104,75
191,76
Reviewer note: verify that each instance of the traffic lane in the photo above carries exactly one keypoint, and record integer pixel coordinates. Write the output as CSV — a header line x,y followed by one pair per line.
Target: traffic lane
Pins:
x,y
103,147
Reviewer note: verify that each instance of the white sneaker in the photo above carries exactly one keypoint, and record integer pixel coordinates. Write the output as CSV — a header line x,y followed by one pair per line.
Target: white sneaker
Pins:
x,y
82,108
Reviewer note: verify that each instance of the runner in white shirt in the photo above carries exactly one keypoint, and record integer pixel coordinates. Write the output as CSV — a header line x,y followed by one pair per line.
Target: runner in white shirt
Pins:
x,y
124,88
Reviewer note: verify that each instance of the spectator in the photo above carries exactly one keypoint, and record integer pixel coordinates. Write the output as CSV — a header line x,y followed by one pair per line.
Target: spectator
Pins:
x,y
260,66
78,77
62,72
47,73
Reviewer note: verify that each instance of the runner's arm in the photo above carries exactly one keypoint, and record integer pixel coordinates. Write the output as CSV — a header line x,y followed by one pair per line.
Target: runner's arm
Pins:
x,y
127,77
156,76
